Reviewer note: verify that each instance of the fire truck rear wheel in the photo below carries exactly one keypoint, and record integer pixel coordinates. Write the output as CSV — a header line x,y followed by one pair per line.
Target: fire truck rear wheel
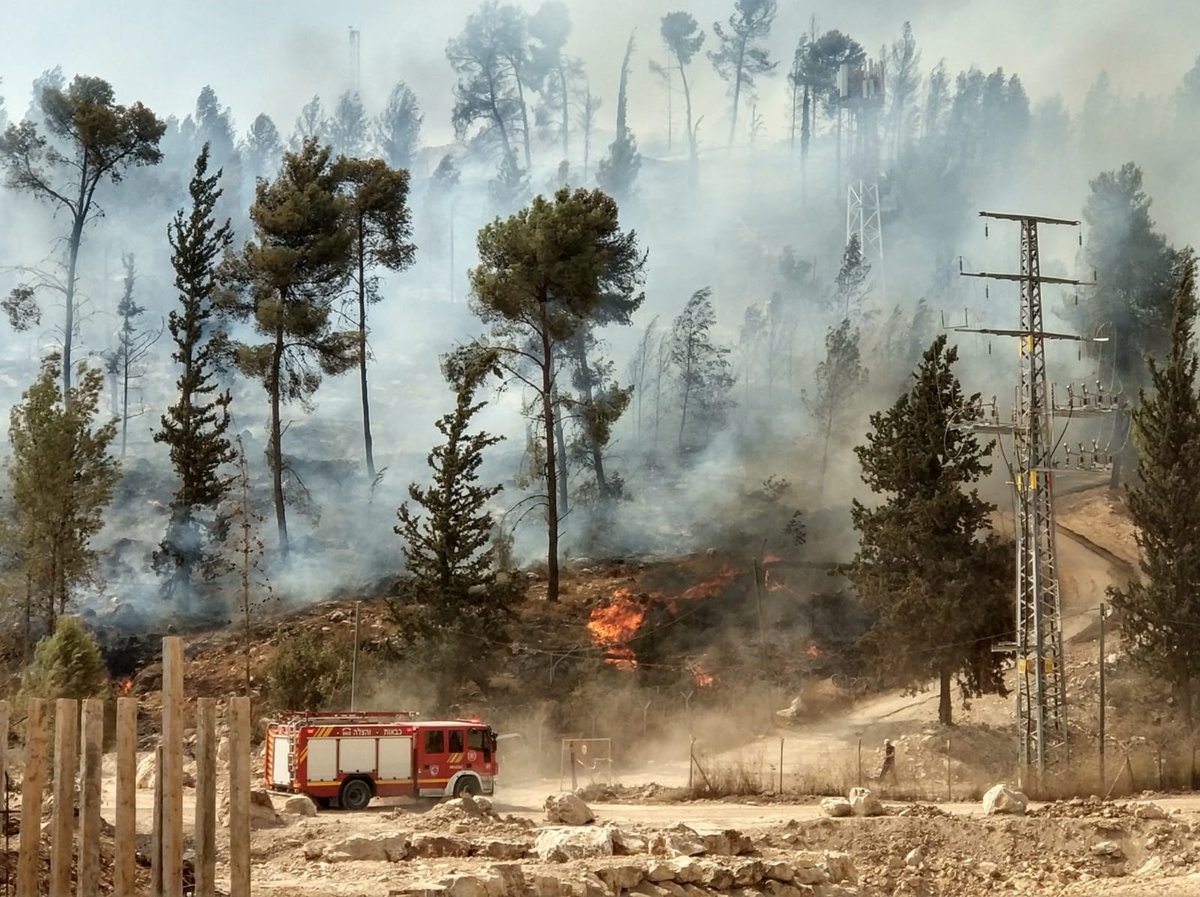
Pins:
x,y
467,785
356,794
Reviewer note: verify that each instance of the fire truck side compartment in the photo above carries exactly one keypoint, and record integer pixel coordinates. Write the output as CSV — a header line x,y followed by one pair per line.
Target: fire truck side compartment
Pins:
x,y
281,776
322,760
356,755
395,759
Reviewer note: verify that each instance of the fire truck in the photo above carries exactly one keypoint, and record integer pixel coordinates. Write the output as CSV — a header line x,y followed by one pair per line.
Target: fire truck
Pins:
x,y
345,759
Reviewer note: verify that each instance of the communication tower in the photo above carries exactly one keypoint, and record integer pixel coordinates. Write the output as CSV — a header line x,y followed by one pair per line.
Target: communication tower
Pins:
x,y
1041,687
860,93
355,59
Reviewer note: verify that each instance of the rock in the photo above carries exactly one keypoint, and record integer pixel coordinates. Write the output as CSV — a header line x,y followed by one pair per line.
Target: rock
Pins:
x,y
715,877
558,845
1144,809
778,870
678,841
686,869
299,805
659,871
1108,849
727,843
864,803
568,809
315,850
428,846
145,772
836,807
368,848
262,810
625,844
1149,867
1002,799
914,857
500,850
223,750
620,876
988,870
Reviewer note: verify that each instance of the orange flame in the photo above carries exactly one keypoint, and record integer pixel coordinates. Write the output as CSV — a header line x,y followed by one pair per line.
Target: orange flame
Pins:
x,y
125,686
814,650
771,559
616,623
711,587
701,678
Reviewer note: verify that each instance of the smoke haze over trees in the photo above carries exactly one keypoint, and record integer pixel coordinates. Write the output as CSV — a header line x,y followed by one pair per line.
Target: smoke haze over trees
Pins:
x,y
665,412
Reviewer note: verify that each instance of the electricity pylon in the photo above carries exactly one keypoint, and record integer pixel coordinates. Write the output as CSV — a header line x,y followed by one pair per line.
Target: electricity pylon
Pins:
x,y
1041,686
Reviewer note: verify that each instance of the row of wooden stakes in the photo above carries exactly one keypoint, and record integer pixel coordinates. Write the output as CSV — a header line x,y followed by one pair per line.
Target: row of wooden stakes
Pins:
x,y
78,757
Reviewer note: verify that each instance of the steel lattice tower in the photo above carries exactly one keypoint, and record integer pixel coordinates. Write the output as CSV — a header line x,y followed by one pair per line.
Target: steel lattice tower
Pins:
x,y
1041,687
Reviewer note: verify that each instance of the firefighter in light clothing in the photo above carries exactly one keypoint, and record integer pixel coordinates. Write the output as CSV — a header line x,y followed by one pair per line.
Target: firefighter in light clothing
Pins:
x,y
888,770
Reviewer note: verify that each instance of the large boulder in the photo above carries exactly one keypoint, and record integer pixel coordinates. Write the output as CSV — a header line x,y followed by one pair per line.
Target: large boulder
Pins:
x,y
678,841
559,845
863,802
377,848
568,809
727,843
498,881
836,807
262,810
145,772
299,805
1000,799
430,845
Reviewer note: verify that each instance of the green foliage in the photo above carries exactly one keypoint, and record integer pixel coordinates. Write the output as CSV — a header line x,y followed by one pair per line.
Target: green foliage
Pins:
x,y
309,671
84,139
194,427
284,282
61,478
544,274
936,581
1136,269
488,92
1160,612
263,147
67,664
617,173
347,127
398,127
839,377
738,58
703,376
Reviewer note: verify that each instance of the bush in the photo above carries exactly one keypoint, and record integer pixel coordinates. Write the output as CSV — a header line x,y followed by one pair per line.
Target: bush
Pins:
x,y
67,664
309,671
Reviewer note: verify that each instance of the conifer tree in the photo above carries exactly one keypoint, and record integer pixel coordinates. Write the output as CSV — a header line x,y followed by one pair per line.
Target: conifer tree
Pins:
x,y
1160,613
449,564
617,173
61,478
936,580
285,281
739,56
194,426
133,343
378,218
702,371
838,378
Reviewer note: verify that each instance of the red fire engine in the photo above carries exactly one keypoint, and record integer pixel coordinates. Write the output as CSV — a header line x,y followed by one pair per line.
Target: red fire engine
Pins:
x,y
345,759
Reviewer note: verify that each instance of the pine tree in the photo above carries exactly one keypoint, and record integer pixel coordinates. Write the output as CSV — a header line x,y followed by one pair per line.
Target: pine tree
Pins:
x,y
133,343
702,371
61,478
67,664
851,285
839,377
1160,613
285,281
194,426
617,173
738,57
449,565
936,580
378,217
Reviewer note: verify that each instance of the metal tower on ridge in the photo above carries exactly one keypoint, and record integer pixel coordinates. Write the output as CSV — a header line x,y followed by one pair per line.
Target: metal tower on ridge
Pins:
x,y
1041,687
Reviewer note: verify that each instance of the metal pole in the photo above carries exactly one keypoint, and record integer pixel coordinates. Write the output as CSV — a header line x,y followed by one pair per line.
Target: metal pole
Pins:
x,y
1103,777
354,660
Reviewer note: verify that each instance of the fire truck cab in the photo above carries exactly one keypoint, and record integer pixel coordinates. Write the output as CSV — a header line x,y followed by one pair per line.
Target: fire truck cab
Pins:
x,y
345,759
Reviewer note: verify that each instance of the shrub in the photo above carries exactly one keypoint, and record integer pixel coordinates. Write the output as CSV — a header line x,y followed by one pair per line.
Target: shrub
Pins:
x,y
309,671
67,664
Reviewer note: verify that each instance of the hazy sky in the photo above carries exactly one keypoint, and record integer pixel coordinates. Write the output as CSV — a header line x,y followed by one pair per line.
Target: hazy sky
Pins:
x,y
271,55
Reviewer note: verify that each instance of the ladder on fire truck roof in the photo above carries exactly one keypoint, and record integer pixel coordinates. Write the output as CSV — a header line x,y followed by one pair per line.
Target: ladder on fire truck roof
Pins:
x,y
349,717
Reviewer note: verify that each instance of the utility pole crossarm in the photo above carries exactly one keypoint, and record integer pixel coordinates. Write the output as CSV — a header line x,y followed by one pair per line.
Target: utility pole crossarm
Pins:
x,y
1044,334
1036,219
1039,278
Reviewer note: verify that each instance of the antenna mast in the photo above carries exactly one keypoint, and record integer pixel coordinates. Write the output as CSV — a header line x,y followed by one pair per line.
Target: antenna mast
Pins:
x,y
355,60
1041,687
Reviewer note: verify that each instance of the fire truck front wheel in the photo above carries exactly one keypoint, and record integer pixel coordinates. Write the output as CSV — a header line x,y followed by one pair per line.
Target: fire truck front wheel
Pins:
x,y
355,795
467,785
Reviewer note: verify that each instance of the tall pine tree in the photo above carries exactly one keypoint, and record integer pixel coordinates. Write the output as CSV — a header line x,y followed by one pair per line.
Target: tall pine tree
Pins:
x,y
935,579
1161,611
194,426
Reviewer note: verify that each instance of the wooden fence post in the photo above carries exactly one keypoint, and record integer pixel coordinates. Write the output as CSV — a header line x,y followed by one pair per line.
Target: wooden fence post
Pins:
x,y
156,831
62,826
124,839
239,797
92,758
206,797
172,768
32,779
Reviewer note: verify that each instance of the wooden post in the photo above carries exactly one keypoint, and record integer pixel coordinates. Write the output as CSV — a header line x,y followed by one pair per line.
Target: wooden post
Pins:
x,y
32,781
4,767
124,843
860,762
239,797
62,826
1103,696
781,766
156,831
206,797
92,758
171,771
